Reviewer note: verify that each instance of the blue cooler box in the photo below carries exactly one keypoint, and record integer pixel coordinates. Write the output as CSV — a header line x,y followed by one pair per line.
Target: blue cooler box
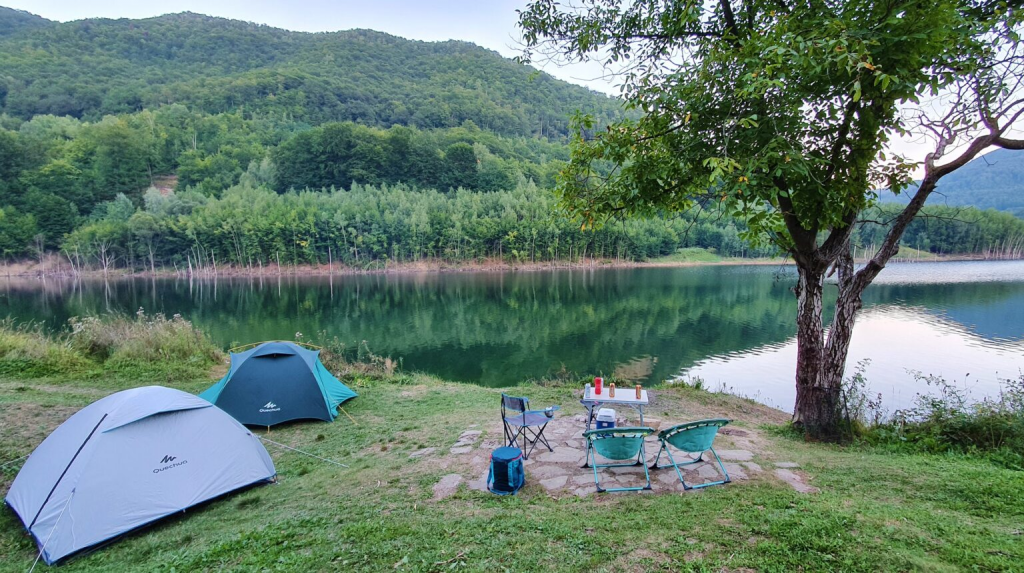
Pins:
x,y
605,418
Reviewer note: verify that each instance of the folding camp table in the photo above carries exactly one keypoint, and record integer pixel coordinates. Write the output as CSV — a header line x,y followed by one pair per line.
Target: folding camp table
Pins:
x,y
624,396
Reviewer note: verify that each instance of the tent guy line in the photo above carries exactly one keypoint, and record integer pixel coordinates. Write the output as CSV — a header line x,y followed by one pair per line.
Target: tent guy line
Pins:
x,y
14,461
52,529
269,441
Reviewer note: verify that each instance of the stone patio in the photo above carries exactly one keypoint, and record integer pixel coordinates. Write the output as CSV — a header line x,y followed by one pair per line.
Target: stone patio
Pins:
x,y
560,472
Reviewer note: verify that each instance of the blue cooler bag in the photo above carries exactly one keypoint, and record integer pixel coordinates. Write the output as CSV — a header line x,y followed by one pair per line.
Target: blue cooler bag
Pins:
x,y
506,475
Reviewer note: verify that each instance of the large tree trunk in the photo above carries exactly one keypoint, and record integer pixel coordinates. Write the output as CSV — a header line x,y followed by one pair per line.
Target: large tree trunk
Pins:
x,y
817,394
821,355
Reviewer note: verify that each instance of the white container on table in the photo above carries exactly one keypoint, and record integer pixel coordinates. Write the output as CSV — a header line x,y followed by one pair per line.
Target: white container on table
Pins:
x,y
605,418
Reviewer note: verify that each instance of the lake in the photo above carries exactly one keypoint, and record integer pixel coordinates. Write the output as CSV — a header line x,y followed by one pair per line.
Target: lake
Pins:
x,y
731,326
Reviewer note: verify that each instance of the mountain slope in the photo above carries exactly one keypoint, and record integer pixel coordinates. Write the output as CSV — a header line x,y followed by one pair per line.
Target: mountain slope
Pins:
x,y
14,21
89,68
993,181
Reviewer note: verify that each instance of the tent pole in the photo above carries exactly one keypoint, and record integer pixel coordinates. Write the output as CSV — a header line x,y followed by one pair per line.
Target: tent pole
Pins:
x,y
66,468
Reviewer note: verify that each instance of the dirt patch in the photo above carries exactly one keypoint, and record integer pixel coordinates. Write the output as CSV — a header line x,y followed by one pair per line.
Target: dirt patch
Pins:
x,y
220,369
414,392
22,428
640,560
681,402
26,425
11,387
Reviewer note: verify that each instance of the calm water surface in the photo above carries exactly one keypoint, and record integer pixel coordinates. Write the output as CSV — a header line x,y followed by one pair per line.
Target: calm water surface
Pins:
x,y
731,326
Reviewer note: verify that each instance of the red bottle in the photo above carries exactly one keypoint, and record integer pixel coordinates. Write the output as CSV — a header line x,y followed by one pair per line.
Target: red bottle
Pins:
x,y
597,385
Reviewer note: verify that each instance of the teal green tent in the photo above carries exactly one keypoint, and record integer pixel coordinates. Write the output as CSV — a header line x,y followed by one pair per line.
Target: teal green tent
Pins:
x,y
278,382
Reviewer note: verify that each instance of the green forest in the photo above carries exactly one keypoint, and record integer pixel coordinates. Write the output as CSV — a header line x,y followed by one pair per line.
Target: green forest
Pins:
x,y
195,142
91,68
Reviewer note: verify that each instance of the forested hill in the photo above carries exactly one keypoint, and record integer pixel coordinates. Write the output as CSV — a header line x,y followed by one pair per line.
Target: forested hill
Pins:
x,y
14,21
993,181
90,68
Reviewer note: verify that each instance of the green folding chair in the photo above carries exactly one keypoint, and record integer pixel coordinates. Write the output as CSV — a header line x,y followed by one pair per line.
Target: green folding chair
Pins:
x,y
618,444
691,438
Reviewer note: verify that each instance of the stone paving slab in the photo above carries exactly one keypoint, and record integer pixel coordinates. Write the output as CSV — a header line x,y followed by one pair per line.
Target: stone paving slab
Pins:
x,y
562,455
795,481
554,482
560,471
423,452
735,455
447,486
710,473
549,470
735,471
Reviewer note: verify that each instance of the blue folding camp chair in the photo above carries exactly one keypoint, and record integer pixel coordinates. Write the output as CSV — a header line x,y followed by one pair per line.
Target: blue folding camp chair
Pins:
x,y
520,420
691,438
618,444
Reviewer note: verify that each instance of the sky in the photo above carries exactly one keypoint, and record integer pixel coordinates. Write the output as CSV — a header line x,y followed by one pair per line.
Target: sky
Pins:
x,y
488,23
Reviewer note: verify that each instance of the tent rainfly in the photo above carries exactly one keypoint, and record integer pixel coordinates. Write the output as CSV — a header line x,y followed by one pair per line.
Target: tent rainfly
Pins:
x,y
278,382
127,460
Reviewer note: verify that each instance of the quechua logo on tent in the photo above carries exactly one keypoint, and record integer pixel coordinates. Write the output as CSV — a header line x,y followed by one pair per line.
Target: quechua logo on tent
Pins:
x,y
269,407
169,463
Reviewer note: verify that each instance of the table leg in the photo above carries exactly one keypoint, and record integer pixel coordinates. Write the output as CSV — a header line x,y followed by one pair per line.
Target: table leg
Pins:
x,y
590,418
590,414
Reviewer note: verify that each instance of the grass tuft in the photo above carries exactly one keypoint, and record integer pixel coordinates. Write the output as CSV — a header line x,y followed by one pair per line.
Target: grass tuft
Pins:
x,y
143,343
170,347
27,351
691,255
151,338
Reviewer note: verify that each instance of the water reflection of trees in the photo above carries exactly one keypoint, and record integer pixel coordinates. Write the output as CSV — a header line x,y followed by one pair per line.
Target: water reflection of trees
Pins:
x,y
490,328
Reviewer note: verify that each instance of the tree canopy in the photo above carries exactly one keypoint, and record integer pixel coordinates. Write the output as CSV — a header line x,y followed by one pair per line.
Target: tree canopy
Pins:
x,y
779,112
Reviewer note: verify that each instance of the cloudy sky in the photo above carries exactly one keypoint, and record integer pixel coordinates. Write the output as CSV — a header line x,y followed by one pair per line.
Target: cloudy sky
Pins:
x,y
488,23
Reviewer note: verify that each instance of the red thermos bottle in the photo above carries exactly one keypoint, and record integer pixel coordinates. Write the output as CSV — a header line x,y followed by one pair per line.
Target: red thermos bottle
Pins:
x,y
597,385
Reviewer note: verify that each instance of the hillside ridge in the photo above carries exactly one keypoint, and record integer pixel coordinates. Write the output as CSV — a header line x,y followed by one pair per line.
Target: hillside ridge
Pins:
x,y
992,181
94,67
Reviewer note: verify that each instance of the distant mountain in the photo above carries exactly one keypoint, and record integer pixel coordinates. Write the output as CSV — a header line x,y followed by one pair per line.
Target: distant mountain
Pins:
x,y
14,21
993,181
93,67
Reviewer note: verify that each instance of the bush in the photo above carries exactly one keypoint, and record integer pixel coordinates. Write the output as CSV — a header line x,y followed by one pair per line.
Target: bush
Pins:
x,y
126,342
27,351
950,421
343,361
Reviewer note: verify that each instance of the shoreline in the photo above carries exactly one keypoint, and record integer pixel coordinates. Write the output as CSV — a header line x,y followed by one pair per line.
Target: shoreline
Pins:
x,y
54,268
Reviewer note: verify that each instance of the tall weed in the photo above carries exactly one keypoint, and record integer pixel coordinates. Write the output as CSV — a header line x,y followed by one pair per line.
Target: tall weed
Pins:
x,y
949,420
27,351
141,341
342,360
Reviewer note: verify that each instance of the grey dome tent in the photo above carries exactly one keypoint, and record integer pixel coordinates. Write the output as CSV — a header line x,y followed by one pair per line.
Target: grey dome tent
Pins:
x,y
127,460
278,382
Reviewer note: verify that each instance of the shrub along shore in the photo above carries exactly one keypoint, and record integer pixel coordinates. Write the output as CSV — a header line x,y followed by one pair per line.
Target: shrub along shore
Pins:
x,y
871,507
55,266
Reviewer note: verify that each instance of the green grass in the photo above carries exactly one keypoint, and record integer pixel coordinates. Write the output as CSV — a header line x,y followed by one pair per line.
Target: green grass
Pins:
x,y
877,511
690,255
911,253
